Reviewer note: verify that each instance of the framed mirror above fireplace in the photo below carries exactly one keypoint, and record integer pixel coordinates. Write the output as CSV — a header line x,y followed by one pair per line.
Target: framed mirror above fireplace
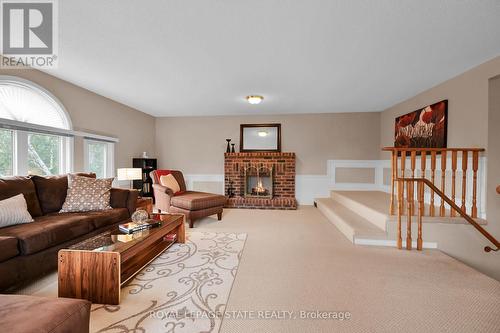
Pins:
x,y
260,137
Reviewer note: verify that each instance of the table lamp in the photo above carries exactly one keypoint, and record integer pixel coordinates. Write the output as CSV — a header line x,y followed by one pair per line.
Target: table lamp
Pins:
x,y
129,174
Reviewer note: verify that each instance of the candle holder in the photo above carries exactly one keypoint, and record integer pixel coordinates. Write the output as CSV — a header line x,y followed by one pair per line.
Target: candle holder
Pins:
x,y
228,148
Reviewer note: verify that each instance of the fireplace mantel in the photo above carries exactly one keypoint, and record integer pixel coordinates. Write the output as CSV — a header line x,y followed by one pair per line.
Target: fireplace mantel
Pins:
x,y
283,166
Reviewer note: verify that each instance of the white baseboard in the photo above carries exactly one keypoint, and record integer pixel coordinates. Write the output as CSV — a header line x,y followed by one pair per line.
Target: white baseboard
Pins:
x,y
392,243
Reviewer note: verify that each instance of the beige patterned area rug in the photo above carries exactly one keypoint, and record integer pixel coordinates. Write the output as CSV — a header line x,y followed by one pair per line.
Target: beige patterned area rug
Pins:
x,y
185,289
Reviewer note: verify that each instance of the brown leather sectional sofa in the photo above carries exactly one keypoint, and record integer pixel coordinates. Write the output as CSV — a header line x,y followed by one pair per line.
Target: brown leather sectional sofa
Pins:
x,y
30,314
30,250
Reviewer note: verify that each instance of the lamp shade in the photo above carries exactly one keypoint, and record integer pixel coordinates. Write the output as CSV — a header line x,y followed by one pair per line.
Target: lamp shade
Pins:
x,y
129,173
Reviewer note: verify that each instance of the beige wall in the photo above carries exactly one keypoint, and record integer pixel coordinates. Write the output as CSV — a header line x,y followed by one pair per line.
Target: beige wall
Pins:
x,y
196,145
473,121
493,167
100,115
467,96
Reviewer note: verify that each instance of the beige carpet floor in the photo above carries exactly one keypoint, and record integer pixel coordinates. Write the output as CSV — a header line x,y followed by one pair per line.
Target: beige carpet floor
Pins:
x,y
184,290
298,261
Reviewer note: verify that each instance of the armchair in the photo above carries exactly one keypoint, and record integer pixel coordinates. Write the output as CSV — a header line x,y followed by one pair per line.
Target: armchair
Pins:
x,y
194,205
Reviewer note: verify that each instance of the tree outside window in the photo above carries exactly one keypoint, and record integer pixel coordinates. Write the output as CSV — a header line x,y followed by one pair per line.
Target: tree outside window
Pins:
x,y
44,152
6,152
97,158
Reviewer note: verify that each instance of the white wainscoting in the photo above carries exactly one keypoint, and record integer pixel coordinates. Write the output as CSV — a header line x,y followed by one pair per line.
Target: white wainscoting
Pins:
x,y
191,179
309,187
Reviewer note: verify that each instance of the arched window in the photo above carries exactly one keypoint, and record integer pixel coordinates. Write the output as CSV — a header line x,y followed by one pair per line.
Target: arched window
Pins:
x,y
27,102
33,145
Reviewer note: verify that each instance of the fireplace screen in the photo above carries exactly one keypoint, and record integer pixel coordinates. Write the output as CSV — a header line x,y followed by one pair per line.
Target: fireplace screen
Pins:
x,y
259,182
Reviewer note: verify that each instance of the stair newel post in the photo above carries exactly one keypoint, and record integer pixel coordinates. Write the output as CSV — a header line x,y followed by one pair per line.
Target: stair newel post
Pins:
x,y
433,178
423,161
442,210
475,165
420,190
394,174
400,212
413,159
409,198
464,179
453,179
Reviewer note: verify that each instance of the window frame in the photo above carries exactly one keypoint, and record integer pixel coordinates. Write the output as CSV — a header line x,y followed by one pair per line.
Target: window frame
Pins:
x,y
20,135
109,167
20,152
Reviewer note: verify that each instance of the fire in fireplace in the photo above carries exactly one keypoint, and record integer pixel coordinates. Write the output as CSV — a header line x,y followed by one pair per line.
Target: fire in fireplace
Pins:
x,y
259,182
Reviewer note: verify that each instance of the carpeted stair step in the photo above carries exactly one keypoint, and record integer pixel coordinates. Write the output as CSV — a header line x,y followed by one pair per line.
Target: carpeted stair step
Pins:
x,y
352,225
371,205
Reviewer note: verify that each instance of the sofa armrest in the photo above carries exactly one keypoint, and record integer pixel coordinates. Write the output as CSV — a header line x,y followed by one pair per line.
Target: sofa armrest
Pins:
x,y
162,197
163,189
123,198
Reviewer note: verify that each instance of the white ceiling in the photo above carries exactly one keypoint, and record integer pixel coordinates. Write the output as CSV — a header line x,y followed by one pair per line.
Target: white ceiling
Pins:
x,y
180,57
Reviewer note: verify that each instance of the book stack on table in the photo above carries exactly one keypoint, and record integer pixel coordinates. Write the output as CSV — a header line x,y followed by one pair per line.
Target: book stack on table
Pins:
x,y
132,227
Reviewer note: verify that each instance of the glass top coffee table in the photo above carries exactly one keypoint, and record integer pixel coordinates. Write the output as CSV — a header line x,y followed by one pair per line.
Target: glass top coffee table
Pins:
x,y
96,268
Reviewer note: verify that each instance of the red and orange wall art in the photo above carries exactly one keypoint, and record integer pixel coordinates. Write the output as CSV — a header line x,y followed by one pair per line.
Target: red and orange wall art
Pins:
x,y
424,128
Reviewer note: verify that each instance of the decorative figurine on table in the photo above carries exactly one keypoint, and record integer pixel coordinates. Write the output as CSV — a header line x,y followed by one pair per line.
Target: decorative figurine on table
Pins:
x,y
140,216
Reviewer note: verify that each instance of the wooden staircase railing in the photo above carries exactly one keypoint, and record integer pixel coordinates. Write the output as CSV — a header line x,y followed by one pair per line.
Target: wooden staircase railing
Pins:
x,y
404,164
420,199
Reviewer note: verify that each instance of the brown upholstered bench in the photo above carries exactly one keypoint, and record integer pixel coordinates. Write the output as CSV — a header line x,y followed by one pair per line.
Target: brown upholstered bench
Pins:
x,y
25,314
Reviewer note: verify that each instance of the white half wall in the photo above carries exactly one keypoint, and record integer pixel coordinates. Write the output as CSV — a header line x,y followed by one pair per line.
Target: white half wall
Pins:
x,y
307,187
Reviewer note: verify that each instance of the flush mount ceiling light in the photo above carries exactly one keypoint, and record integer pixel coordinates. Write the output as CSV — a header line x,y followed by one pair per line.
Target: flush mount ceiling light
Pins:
x,y
254,99
262,133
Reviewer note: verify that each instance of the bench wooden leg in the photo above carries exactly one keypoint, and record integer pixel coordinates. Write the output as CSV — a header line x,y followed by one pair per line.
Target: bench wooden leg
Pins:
x,y
219,216
191,223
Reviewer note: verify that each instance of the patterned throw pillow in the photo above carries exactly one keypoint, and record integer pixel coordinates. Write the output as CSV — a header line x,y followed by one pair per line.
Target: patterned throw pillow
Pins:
x,y
87,194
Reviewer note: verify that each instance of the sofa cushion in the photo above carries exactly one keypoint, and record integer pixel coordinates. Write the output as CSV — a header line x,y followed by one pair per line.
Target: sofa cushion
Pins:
x,y
8,247
101,218
52,190
11,186
191,200
48,231
19,313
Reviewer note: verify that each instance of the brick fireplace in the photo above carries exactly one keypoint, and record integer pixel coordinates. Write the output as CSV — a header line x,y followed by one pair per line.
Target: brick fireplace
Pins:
x,y
264,180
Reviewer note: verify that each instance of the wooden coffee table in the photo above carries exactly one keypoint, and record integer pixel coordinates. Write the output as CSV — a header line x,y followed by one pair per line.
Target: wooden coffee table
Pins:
x,y
98,267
